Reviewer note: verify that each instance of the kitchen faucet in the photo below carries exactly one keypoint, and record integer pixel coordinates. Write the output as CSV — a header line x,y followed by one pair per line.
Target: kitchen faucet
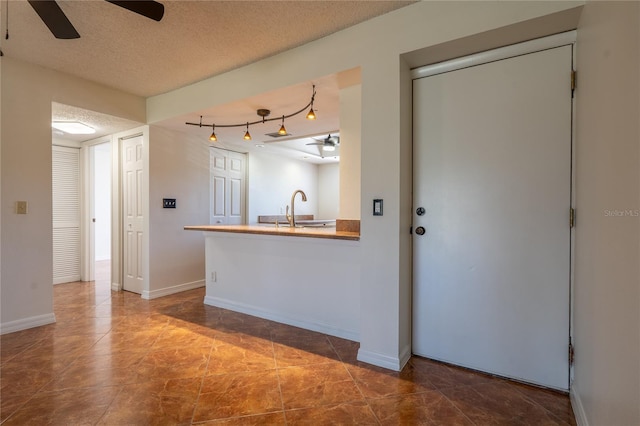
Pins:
x,y
291,218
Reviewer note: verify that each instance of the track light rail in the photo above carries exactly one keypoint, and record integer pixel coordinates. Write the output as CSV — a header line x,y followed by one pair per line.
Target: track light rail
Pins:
x,y
263,113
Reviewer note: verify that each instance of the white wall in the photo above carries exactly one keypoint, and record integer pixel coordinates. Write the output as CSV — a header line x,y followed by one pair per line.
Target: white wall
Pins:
x,y
607,280
178,168
27,265
375,46
307,282
328,191
350,151
272,180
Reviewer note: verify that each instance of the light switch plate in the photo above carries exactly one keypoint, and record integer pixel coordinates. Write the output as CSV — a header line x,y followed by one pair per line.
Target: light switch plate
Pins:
x,y
377,207
168,203
21,207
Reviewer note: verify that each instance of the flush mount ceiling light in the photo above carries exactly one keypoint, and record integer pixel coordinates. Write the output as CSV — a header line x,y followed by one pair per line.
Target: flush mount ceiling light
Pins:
x,y
73,127
264,113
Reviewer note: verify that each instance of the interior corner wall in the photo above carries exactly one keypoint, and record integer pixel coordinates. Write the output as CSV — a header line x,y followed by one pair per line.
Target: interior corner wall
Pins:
x,y
350,148
405,248
27,264
328,191
178,168
272,181
606,388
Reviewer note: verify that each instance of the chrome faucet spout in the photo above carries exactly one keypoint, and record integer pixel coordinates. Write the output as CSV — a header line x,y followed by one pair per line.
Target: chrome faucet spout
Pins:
x,y
291,218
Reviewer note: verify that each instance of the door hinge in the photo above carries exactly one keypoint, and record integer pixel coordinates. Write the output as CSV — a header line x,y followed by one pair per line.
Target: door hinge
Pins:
x,y
573,81
572,217
571,354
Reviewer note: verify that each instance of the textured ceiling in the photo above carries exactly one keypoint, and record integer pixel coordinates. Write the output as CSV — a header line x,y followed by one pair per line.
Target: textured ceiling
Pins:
x,y
103,124
194,40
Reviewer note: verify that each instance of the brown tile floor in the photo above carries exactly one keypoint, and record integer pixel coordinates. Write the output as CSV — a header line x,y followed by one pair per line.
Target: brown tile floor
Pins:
x,y
116,359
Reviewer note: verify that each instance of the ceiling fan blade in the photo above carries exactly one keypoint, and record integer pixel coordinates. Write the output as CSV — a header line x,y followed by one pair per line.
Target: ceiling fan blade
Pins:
x,y
54,18
147,8
316,143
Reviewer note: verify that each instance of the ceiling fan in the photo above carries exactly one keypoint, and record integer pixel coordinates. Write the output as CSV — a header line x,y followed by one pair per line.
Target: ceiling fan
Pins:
x,y
328,144
60,26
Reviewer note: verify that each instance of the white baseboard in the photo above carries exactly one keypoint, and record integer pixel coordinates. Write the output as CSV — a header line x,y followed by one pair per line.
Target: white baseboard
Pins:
x,y
405,356
64,280
115,287
578,408
277,317
154,294
25,323
384,361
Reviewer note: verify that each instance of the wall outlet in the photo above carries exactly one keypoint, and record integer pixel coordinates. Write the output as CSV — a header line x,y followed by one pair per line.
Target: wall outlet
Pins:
x,y
214,277
21,207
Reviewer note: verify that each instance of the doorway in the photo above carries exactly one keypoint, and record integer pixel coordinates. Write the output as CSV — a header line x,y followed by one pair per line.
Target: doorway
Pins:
x,y
100,199
134,264
492,196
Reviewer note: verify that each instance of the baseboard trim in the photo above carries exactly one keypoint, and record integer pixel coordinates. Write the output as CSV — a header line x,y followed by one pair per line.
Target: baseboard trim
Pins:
x,y
25,323
69,279
115,287
154,294
578,408
273,316
405,356
384,361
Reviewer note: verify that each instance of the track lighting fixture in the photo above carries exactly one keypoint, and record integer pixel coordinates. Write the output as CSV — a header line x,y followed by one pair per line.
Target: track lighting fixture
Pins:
x,y
263,113
282,131
311,115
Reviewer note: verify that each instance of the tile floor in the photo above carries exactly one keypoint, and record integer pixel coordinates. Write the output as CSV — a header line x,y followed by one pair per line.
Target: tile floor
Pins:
x,y
116,359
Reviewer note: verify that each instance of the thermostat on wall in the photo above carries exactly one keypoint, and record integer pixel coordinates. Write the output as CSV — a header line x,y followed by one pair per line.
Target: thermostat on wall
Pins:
x,y
168,203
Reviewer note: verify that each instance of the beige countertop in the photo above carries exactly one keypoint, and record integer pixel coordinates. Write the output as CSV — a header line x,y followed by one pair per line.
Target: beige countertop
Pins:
x,y
285,231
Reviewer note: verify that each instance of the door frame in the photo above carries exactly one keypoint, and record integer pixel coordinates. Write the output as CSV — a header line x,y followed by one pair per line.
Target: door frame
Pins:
x,y
532,46
117,228
87,254
245,184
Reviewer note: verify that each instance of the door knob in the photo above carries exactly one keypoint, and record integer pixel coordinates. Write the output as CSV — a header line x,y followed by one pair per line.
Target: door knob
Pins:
x,y
420,230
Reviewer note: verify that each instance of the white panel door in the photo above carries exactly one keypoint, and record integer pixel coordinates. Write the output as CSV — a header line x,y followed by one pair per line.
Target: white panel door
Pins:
x,y
492,170
133,214
66,214
228,174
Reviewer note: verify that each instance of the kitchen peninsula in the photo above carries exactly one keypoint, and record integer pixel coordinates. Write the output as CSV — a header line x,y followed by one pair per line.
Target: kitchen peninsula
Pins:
x,y
302,276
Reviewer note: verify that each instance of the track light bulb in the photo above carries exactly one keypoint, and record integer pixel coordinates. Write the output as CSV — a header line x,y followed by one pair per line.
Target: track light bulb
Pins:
x,y
247,135
213,137
311,115
283,130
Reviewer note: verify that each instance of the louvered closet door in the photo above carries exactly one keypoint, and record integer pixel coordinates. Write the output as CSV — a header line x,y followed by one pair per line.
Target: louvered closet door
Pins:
x,y
66,214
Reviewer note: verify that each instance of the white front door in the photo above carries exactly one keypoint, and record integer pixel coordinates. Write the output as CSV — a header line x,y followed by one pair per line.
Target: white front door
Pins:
x,y
133,214
492,171
228,174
